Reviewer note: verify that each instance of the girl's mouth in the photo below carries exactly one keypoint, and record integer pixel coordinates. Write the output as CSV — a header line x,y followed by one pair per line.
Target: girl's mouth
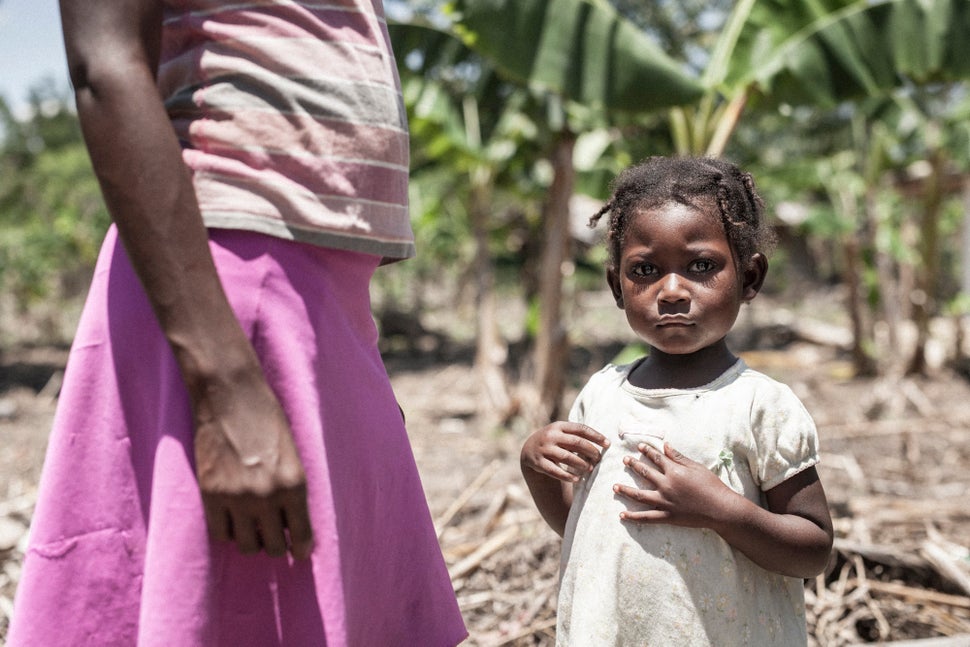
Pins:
x,y
674,321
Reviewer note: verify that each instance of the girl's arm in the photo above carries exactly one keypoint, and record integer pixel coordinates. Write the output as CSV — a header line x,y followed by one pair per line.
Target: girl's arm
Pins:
x,y
249,473
792,537
544,455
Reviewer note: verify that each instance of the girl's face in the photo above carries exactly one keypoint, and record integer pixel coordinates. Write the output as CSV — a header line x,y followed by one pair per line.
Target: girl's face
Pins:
x,y
677,280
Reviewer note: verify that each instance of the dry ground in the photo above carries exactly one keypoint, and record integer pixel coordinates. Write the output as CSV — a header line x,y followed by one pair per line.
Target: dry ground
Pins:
x,y
895,464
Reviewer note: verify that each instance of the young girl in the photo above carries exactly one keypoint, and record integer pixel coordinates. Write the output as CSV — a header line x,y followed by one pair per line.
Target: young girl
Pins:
x,y
684,484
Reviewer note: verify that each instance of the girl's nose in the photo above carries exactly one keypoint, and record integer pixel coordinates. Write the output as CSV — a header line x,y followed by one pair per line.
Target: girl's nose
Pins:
x,y
673,289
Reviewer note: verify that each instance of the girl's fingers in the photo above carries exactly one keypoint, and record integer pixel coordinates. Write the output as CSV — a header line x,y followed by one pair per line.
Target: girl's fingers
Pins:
x,y
642,469
644,516
580,446
274,526
645,497
580,464
561,465
557,471
655,457
587,433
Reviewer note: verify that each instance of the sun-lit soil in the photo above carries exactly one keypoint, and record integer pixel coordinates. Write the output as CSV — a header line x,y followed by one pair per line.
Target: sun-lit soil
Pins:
x,y
895,465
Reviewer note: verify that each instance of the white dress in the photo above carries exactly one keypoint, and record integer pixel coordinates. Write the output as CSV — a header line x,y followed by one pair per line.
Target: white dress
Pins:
x,y
631,584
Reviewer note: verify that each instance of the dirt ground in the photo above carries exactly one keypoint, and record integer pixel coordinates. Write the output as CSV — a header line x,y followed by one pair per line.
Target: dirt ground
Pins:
x,y
895,465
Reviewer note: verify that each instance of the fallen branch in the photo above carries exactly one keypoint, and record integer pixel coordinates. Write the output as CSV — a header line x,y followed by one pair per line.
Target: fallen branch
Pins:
x,y
914,594
19,504
946,566
528,631
948,641
898,510
466,496
885,555
491,545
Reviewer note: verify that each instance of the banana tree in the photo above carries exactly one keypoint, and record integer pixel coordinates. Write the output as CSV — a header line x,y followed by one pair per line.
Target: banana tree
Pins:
x,y
770,52
937,139
476,126
572,53
824,53
820,53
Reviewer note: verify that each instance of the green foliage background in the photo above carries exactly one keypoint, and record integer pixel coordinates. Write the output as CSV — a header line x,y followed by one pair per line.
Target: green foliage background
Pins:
x,y
481,134
52,217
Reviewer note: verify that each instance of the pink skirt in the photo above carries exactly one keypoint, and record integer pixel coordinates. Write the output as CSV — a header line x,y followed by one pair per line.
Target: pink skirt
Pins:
x,y
118,548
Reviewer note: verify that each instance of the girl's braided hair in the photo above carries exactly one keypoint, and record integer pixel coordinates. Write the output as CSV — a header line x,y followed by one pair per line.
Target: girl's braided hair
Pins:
x,y
699,182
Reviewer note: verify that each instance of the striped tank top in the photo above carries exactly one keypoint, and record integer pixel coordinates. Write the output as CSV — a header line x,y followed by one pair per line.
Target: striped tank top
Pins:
x,y
291,119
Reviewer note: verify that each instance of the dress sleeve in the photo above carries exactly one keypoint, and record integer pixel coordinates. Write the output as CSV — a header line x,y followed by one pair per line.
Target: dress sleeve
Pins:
x,y
604,378
577,413
785,434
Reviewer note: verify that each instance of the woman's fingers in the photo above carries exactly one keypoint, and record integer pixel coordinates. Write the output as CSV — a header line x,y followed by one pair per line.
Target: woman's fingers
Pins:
x,y
297,520
271,532
273,527
244,532
216,519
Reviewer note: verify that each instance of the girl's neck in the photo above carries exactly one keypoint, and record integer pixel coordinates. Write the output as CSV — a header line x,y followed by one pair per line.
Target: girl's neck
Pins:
x,y
663,371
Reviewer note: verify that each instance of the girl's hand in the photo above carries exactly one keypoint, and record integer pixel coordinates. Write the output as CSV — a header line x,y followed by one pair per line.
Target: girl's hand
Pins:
x,y
793,536
685,492
552,460
563,450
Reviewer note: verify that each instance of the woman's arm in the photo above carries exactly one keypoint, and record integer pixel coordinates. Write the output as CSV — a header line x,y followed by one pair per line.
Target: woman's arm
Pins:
x,y
249,472
792,537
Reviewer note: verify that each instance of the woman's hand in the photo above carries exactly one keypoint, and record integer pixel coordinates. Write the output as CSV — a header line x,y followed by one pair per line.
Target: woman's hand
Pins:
x,y
251,479
563,450
252,483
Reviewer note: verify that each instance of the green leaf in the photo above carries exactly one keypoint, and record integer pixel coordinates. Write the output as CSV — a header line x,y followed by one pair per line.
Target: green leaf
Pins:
x,y
578,49
828,51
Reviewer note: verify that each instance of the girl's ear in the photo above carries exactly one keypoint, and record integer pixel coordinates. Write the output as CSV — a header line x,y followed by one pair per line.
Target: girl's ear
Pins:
x,y
614,281
754,277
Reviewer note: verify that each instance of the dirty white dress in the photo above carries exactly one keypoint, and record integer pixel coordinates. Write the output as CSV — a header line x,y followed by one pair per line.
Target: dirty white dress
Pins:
x,y
630,584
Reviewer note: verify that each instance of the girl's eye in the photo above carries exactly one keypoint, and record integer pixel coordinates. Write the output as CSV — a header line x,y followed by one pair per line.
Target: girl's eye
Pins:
x,y
642,270
702,266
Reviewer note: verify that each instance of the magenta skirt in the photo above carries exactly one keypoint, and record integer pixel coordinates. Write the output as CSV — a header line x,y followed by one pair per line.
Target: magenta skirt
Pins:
x,y
118,548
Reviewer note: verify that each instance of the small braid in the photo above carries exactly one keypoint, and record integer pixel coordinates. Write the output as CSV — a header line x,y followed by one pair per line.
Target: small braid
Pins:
x,y
702,183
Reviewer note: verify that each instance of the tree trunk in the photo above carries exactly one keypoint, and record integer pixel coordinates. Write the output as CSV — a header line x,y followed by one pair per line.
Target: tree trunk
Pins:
x,y
552,343
965,243
959,354
924,301
889,292
491,351
862,361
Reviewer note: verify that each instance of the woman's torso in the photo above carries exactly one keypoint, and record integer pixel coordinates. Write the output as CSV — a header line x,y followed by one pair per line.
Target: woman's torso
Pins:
x,y
291,119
